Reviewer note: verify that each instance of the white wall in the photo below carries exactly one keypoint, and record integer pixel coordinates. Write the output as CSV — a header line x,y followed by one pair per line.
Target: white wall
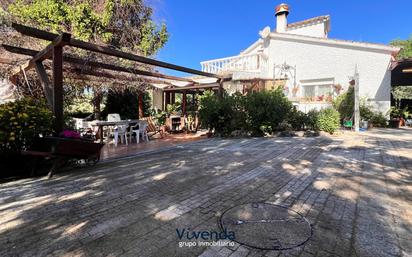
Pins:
x,y
318,60
157,98
314,30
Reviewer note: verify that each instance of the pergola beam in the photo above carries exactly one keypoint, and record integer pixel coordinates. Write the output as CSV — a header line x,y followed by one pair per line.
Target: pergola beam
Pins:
x,y
33,32
46,53
57,68
69,59
45,82
204,86
101,74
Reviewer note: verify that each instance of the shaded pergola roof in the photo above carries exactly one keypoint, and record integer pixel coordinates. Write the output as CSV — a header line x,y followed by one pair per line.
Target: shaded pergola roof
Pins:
x,y
85,68
402,73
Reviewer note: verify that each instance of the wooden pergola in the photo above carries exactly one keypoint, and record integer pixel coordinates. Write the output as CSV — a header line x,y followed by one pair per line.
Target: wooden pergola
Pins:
x,y
54,89
402,73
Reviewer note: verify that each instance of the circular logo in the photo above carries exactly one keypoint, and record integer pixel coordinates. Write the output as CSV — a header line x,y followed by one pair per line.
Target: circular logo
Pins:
x,y
266,226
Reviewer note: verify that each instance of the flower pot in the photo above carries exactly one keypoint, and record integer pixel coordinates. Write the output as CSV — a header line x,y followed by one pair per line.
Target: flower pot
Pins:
x,y
394,123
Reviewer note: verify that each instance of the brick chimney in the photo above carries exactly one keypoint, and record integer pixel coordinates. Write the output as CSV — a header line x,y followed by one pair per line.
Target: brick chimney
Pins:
x,y
281,13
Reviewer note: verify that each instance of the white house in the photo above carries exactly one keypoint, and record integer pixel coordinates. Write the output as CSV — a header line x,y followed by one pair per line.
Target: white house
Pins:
x,y
310,66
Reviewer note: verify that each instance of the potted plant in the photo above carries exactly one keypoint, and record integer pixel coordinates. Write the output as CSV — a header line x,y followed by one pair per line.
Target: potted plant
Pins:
x,y
405,115
295,90
396,116
338,88
329,98
160,118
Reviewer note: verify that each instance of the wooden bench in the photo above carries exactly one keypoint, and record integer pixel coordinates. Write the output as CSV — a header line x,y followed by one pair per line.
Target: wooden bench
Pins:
x,y
152,127
61,150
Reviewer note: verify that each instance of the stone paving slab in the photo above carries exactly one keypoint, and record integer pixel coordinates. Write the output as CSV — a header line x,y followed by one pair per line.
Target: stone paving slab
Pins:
x,y
355,190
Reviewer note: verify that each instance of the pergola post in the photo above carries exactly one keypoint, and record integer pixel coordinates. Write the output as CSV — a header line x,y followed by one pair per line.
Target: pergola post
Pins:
x,y
184,102
356,102
163,100
58,87
140,100
173,97
167,99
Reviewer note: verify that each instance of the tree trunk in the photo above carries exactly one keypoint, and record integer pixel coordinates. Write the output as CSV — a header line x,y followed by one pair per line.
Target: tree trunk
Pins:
x,y
97,99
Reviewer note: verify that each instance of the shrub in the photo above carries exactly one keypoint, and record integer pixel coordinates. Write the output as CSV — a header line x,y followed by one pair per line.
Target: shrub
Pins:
x,y
345,102
239,119
174,109
297,119
312,118
379,120
365,112
216,114
329,120
126,103
21,122
266,110
159,115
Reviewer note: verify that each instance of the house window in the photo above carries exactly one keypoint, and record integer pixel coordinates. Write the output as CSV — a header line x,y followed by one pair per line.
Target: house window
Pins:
x,y
324,90
317,92
309,91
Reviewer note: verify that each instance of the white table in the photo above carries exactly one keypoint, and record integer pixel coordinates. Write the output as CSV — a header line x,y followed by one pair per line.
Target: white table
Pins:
x,y
103,123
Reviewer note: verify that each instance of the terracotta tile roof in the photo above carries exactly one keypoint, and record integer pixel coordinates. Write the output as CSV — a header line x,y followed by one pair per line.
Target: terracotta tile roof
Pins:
x,y
309,21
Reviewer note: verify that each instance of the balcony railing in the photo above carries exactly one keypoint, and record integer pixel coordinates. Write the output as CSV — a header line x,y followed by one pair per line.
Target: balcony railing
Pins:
x,y
247,62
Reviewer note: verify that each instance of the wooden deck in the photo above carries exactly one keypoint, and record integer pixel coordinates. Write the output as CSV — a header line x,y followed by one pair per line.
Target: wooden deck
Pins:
x,y
109,151
355,190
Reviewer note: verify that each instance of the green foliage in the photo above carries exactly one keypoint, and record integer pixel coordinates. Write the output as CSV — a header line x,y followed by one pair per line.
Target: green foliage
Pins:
x,y
239,115
406,45
329,120
259,112
216,114
345,103
312,120
379,120
126,103
174,109
266,110
404,92
51,14
396,112
152,39
21,122
298,119
125,24
159,116
84,22
365,112
80,107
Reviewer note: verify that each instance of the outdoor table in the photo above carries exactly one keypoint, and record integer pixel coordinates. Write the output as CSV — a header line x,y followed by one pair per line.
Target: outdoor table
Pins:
x,y
102,123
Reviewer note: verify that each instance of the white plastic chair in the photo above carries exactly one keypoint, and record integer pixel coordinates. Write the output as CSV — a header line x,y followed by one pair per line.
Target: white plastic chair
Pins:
x,y
143,130
135,130
113,117
120,131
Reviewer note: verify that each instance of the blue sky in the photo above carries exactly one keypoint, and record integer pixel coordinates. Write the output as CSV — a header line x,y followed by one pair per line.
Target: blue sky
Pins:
x,y
208,29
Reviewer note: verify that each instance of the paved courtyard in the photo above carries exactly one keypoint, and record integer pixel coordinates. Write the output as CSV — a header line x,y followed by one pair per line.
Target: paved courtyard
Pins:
x,y
355,190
